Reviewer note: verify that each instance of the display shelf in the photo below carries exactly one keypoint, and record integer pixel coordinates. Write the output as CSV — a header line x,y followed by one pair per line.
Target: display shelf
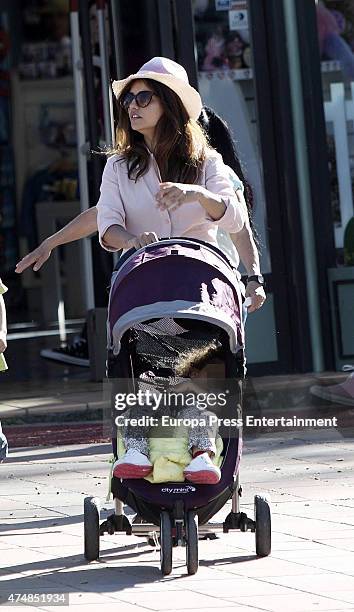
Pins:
x,y
331,66
243,74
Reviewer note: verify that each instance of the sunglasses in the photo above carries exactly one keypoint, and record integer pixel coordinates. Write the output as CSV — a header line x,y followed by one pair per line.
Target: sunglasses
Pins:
x,y
142,98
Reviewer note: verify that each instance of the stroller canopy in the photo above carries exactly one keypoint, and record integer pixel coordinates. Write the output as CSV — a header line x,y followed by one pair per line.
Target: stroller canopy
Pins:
x,y
175,279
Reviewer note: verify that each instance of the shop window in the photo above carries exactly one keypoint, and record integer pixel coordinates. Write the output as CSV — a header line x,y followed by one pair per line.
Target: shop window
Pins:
x,y
225,80
335,24
226,84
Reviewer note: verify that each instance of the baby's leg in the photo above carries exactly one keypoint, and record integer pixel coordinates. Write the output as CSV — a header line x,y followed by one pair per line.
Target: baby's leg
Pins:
x,y
201,469
136,436
201,437
135,462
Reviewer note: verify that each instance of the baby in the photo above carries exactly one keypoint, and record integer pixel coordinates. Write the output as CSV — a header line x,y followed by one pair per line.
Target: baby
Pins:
x,y
135,463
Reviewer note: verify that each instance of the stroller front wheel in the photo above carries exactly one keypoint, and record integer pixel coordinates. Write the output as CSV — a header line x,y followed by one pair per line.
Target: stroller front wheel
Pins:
x,y
92,528
262,518
165,543
191,529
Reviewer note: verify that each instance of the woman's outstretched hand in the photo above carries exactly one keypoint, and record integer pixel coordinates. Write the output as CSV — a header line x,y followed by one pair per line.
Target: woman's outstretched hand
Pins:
x,y
36,258
173,195
140,241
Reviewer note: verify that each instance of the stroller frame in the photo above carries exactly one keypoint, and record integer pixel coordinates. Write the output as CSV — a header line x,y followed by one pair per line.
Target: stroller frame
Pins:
x,y
176,523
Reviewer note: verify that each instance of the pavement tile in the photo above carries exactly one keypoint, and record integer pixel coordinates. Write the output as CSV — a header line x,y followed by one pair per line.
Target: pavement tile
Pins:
x,y
58,408
74,598
179,600
339,543
261,568
326,553
108,607
15,558
292,602
8,410
28,513
10,505
317,583
232,607
237,586
347,596
312,524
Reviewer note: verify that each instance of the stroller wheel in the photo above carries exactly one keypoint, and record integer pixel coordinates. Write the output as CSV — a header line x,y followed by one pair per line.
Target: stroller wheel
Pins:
x,y
262,518
165,543
191,528
92,528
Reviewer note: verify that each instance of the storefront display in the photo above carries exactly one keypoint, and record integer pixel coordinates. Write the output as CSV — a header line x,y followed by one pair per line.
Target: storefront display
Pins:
x,y
335,24
225,82
226,85
49,57
8,237
222,35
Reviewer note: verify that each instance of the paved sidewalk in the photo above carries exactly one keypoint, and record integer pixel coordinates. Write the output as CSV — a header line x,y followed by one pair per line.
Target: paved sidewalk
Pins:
x,y
27,400
308,474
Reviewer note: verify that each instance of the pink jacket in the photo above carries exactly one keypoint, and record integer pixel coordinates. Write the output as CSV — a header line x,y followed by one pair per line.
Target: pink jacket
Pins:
x,y
133,206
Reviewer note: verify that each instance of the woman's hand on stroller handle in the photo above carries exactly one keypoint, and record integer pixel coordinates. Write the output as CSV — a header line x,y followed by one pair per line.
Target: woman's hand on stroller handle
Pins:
x,y
142,240
255,297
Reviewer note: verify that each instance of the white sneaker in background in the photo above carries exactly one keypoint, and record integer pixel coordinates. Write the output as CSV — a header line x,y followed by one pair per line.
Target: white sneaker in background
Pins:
x,y
343,393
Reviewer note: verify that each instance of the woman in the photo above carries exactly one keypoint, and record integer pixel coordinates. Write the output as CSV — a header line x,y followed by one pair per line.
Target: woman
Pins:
x,y
164,180
85,224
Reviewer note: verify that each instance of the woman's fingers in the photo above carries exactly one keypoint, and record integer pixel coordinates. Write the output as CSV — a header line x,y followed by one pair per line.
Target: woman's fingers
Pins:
x,y
37,257
40,261
171,200
171,196
165,197
143,240
25,263
147,238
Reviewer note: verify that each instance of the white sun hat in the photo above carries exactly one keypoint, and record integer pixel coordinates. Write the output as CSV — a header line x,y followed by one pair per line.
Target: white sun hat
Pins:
x,y
172,75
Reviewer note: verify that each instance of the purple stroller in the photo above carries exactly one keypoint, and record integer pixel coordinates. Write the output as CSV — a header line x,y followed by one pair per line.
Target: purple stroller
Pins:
x,y
163,299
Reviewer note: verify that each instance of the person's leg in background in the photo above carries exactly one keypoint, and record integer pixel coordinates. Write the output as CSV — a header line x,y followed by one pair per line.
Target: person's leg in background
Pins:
x,y
4,449
342,393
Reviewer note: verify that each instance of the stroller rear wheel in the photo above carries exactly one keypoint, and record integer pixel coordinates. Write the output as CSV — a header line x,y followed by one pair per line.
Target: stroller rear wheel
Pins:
x,y
191,529
165,543
92,528
262,518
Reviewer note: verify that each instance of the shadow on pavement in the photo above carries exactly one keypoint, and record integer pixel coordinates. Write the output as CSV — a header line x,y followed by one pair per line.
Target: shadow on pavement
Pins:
x,y
104,579
92,449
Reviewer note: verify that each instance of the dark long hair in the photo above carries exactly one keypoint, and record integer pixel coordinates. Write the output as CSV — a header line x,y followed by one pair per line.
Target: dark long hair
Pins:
x,y
220,138
180,145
